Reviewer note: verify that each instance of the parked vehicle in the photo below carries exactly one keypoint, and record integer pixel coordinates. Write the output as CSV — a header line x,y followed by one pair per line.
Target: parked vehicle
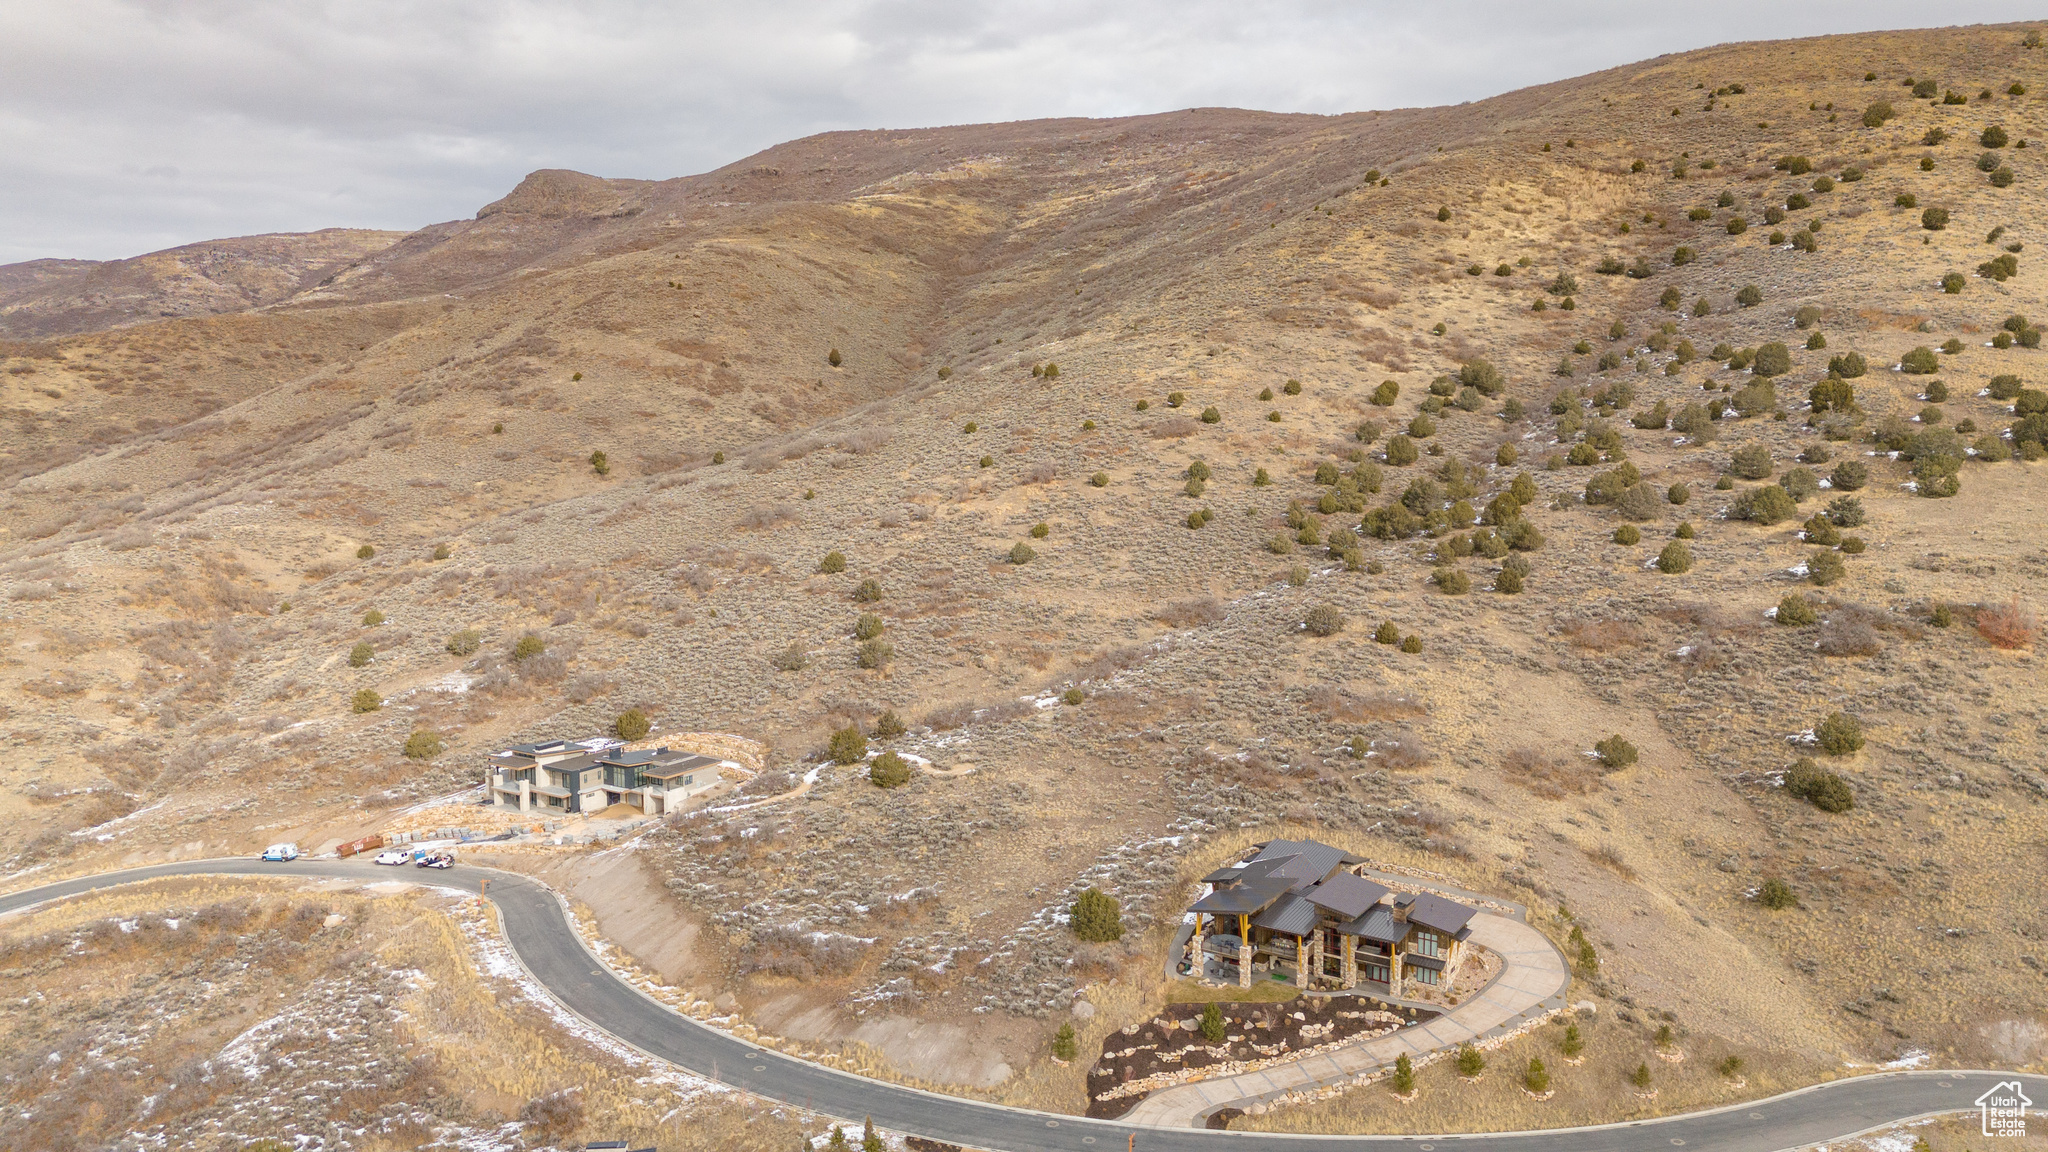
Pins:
x,y
281,852
366,844
392,857
436,860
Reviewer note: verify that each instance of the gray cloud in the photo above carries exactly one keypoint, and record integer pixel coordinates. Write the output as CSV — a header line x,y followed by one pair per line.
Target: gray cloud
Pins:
x,y
132,125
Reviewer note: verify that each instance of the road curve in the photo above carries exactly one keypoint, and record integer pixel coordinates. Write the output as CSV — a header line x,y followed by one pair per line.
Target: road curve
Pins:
x,y
537,927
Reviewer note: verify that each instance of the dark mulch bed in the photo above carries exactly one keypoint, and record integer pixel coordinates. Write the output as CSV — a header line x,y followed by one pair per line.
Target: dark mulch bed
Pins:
x,y
1173,1040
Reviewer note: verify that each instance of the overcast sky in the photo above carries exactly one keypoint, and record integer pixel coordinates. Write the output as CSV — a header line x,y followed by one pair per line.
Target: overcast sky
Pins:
x,y
128,126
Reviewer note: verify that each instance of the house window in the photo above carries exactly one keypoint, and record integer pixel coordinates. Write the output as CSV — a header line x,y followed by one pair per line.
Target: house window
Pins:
x,y
1424,975
1376,972
1333,965
1428,944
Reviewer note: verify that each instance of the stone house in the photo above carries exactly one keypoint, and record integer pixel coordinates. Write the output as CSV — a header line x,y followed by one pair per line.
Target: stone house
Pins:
x,y
583,776
1304,910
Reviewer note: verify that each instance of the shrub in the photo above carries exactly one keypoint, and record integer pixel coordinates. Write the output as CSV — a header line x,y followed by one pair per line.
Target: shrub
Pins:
x,y
848,745
1678,493
1641,1076
1755,398
1879,112
1839,734
1096,917
1073,696
868,591
1752,461
1832,393
1800,484
1404,1075
1482,375
1775,895
1794,611
1749,296
833,563
632,724
1615,752
1063,1045
1817,786
464,643
1451,581
1470,1062
1422,427
2008,626
361,654
1573,1043
875,654
1825,567
1676,558
1849,475
1323,620
1767,504
791,659
1401,450
1212,415
423,745
442,552
1993,137
1819,530
1628,534
1934,219
1099,480
1737,225
889,771
1921,361
867,627
600,463
889,725
365,700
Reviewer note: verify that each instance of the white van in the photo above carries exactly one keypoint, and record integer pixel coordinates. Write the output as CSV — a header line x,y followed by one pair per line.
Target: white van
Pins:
x,y
281,852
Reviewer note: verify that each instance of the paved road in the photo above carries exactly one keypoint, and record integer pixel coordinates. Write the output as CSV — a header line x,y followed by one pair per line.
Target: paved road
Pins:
x,y
538,930
1529,986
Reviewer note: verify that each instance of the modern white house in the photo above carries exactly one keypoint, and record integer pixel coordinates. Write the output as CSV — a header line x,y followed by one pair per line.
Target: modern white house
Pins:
x,y
582,776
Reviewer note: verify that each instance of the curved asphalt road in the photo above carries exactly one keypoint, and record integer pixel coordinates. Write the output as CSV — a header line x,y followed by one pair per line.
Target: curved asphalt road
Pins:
x,y
538,930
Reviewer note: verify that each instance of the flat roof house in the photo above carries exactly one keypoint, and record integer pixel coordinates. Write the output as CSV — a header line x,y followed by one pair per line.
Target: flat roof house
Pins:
x,y
1303,907
581,776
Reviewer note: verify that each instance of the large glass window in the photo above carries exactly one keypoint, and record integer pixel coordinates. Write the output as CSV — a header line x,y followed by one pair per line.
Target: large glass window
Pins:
x,y
1424,975
1429,944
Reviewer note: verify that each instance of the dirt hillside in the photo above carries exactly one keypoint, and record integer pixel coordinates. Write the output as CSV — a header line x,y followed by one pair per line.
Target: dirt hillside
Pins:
x,y
1175,412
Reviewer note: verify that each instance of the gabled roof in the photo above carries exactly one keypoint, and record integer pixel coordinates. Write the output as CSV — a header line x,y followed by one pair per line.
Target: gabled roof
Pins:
x,y
1244,897
1289,914
1305,862
1446,916
1378,924
1345,895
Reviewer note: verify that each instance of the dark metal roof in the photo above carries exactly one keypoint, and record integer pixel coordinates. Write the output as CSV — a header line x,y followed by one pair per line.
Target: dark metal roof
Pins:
x,y
1227,872
1289,914
1242,898
1305,862
1418,960
1346,895
1446,916
1378,924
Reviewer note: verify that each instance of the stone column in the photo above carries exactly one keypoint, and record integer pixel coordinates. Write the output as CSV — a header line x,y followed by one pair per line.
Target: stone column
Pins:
x,y
1394,971
1315,954
1300,963
1244,963
526,795
1350,976
1195,949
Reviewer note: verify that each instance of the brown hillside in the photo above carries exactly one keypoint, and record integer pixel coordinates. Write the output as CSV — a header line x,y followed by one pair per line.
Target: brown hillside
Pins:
x,y
186,500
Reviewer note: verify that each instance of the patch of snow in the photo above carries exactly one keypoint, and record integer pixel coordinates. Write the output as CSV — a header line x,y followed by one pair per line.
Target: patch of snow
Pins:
x,y
1911,1058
